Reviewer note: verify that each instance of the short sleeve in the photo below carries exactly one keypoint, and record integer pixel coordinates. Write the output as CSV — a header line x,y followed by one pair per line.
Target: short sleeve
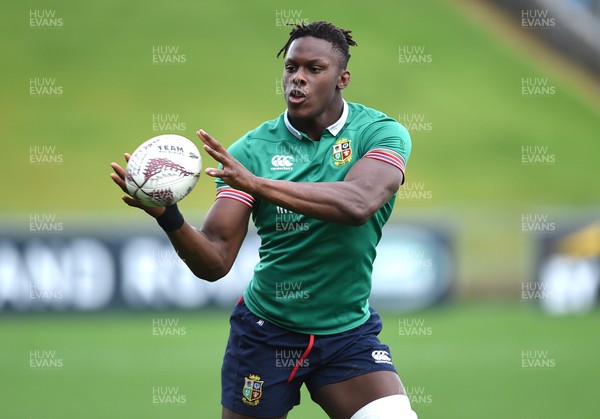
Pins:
x,y
387,140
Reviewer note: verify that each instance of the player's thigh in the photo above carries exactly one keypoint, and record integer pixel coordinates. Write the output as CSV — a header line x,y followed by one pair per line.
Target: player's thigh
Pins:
x,y
357,369
230,414
341,400
253,383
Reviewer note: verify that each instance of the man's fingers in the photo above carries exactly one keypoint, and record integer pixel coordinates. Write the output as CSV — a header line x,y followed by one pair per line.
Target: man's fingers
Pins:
x,y
214,153
119,176
117,179
130,201
230,166
203,135
120,182
211,171
214,148
210,141
152,211
118,170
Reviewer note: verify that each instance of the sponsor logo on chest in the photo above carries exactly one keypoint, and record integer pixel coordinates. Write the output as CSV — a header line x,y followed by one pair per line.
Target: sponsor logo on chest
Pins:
x,y
282,162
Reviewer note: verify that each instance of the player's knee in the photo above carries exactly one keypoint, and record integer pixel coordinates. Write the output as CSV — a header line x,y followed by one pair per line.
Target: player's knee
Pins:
x,y
390,407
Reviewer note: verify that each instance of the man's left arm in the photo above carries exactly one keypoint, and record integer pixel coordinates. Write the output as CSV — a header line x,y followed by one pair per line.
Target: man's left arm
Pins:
x,y
368,185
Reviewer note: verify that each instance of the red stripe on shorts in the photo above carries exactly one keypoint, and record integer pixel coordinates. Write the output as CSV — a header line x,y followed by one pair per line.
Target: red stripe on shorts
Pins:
x,y
302,358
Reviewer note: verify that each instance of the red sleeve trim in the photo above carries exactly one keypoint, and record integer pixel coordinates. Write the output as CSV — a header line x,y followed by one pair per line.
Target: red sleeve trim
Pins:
x,y
388,156
230,193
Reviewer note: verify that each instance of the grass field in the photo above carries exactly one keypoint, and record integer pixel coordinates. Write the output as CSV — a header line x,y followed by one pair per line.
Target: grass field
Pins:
x,y
470,94
462,361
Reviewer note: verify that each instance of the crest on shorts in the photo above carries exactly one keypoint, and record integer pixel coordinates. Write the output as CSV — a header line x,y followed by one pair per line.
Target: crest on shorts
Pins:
x,y
252,391
342,152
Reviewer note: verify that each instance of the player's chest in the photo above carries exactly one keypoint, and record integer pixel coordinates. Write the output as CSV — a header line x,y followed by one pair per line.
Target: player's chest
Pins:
x,y
327,160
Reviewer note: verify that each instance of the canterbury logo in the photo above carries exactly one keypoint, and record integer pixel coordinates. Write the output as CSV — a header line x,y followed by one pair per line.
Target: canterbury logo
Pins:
x,y
381,357
281,162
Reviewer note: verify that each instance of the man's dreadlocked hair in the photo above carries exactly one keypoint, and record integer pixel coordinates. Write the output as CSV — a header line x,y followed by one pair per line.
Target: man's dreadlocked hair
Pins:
x,y
339,38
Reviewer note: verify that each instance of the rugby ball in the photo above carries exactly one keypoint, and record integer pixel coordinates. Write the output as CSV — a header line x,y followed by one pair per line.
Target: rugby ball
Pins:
x,y
163,170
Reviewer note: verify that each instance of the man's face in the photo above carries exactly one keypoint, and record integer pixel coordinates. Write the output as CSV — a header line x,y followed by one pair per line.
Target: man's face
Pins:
x,y
312,74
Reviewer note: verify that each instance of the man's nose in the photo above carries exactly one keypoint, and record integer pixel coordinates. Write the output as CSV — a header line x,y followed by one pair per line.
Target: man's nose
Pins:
x,y
298,77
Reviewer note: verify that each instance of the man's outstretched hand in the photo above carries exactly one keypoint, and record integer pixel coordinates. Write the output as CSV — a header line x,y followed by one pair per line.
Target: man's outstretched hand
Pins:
x,y
233,172
119,178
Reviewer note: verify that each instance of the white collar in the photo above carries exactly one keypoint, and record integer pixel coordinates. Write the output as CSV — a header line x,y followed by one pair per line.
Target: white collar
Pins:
x,y
334,128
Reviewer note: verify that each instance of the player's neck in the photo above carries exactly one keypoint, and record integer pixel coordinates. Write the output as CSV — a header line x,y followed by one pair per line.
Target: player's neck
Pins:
x,y
314,127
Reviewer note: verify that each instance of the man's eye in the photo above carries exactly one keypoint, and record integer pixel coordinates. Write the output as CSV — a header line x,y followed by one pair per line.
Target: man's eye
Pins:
x,y
316,69
290,68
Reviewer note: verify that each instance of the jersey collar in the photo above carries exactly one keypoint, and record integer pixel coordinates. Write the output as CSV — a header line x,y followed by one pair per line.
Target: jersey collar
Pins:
x,y
334,129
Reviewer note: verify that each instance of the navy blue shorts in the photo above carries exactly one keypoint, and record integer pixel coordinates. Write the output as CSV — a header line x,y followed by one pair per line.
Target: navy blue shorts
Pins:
x,y
265,366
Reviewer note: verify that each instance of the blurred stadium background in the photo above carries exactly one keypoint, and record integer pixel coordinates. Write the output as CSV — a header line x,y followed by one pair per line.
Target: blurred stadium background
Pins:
x,y
488,274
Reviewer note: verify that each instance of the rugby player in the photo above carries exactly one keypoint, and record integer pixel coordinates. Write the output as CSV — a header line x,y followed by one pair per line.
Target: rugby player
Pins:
x,y
319,183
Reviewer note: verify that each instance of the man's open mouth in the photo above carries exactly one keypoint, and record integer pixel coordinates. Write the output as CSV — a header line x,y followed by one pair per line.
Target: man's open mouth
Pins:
x,y
296,96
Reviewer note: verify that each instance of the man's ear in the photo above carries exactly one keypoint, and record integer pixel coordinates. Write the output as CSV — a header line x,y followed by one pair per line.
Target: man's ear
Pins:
x,y
343,80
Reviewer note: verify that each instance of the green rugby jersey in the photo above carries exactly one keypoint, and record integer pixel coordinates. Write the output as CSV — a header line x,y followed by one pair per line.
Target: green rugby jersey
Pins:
x,y
314,276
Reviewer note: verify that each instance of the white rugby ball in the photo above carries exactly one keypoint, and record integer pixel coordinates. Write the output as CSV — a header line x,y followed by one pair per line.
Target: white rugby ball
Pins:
x,y
163,170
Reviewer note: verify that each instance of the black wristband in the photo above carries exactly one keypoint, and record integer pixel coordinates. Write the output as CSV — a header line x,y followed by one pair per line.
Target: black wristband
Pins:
x,y
171,219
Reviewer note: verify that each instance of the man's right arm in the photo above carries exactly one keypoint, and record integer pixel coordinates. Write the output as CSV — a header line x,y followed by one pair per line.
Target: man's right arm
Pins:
x,y
210,251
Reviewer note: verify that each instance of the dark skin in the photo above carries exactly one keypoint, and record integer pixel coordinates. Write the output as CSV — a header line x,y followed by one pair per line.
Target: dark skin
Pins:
x,y
313,82
313,71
